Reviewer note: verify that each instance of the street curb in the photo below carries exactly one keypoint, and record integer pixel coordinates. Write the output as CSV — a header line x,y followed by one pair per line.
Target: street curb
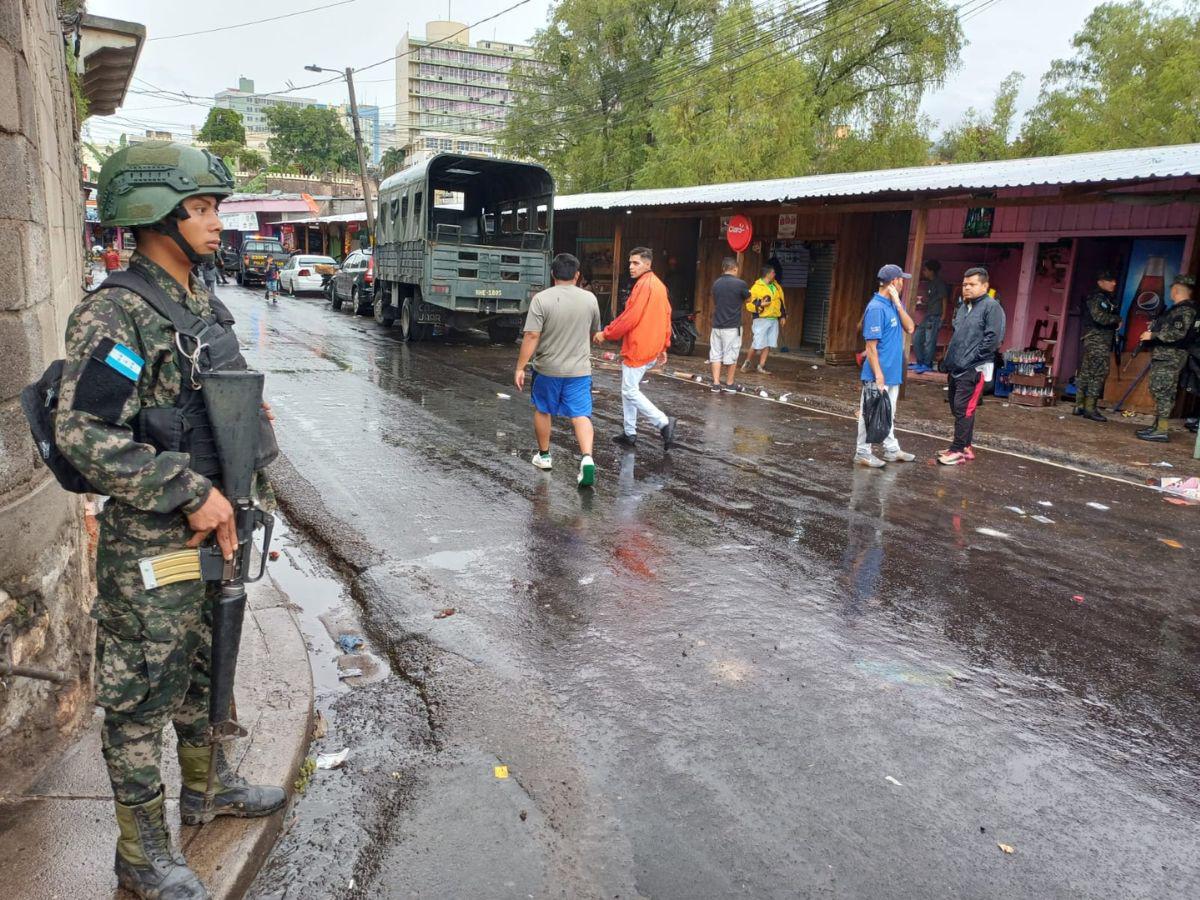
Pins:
x,y
273,669
57,837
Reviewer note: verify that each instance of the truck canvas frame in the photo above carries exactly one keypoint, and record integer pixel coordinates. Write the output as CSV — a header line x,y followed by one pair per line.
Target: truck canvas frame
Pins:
x,y
462,242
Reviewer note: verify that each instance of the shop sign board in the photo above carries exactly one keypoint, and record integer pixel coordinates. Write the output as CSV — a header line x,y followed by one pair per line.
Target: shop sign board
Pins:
x,y
739,233
239,221
787,226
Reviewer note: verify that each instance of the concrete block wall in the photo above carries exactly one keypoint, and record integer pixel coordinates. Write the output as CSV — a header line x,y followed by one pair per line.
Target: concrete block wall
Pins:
x,y
45,581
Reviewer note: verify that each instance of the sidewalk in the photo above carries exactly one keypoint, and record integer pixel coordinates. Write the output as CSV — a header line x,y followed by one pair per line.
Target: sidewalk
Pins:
x,y
1049,433
57,839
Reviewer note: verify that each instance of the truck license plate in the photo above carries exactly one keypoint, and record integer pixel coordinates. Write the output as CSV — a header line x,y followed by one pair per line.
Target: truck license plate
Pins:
x,y
488,292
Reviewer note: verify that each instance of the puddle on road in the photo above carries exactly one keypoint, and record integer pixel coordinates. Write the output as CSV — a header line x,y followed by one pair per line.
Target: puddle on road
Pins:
x,y
325,611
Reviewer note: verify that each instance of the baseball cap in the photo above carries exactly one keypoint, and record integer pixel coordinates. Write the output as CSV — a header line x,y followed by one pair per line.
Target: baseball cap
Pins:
x,y
1105,275
1185,280
890,271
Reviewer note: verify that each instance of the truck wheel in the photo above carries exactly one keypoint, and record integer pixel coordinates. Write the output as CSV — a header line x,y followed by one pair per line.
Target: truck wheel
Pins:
x,y
502,334
412,331
385,313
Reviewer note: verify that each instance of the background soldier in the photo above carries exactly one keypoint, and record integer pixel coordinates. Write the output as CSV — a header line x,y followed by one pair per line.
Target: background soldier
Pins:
x,y
132,420
1170,336
1101,316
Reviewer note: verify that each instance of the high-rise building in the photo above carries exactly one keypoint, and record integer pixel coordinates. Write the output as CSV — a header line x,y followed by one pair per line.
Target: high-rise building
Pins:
x,y
451,95
252,106
368,121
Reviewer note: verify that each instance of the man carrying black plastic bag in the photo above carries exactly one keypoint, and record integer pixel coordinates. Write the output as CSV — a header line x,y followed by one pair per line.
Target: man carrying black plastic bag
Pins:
x,y
883,369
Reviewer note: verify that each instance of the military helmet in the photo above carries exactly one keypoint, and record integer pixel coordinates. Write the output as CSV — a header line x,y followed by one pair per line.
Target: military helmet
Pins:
x,y
142,183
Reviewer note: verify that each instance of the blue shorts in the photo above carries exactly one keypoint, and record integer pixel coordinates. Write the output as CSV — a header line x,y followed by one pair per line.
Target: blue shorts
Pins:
x,y
570,397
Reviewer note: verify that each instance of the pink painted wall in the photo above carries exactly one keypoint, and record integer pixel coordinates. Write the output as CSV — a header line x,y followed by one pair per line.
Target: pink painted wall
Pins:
x,y
1021,223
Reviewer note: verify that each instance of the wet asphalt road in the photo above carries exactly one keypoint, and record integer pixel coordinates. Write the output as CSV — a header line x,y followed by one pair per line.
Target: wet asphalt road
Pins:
x,y
741,669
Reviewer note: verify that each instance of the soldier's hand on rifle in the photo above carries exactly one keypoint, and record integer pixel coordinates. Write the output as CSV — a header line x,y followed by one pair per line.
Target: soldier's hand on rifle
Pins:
x,y
216,514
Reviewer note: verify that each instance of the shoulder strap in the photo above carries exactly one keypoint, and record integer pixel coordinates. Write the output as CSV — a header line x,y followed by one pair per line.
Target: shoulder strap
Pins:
x,y
182,319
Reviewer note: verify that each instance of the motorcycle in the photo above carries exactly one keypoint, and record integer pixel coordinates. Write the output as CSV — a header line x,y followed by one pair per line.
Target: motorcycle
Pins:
x,y
683,333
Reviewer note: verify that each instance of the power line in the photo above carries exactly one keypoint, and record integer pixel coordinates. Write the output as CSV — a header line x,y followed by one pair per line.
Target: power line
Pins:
x,y
299,12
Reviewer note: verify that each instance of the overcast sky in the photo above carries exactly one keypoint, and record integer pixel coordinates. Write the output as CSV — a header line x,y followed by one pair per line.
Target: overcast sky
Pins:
x,y
1005,35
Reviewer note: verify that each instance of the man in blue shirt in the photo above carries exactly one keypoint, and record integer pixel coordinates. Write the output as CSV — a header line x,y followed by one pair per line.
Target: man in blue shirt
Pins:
x,y
883,367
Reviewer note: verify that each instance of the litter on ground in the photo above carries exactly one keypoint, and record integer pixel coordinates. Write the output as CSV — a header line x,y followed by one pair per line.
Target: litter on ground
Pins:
x,y
1172,543
1016,509
332,760
991,532
500,771
892,780
503,396
350,673
1043,519
1100,506
349,642
445,613
1007,848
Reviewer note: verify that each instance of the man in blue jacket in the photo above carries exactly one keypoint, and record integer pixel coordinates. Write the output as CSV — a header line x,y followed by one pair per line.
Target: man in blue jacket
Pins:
x,y
970,360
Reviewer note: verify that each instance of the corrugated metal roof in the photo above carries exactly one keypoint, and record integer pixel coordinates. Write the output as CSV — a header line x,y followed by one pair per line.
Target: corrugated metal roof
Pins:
x,y
340,217
1075,168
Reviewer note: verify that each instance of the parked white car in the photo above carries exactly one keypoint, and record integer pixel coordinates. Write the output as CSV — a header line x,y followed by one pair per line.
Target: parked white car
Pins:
x,y
304,273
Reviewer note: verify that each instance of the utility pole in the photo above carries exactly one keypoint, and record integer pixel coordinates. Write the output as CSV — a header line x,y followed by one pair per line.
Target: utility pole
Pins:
x,y
348,74
362,159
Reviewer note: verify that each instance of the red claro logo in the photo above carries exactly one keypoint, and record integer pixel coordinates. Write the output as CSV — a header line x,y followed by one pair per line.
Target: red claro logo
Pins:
x,y
739,233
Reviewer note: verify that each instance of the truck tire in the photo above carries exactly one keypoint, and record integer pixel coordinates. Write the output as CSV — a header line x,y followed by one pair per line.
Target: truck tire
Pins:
x,y
385,313
412,331
502,334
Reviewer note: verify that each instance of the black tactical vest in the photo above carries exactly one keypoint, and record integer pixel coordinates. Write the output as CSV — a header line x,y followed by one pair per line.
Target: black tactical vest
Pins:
x,y
202,345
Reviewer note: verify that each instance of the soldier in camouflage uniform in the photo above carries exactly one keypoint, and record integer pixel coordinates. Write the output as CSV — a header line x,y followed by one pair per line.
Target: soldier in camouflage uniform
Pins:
x,y
153,647
1170,336
1101,316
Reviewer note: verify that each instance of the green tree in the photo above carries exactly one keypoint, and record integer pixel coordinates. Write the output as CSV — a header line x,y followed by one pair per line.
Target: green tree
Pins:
x,y
309,140
392,160
978,137
223,125
1134,81
733,91
588,94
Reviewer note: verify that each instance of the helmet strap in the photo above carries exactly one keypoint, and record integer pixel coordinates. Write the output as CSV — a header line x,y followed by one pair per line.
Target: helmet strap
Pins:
x,y
169,226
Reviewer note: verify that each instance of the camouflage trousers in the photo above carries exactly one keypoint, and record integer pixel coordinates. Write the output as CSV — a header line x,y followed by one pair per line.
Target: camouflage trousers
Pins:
x,y
1094,364
152,650
1165,367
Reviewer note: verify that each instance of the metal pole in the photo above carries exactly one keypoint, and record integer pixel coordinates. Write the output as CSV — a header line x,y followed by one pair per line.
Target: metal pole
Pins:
x,y
362,159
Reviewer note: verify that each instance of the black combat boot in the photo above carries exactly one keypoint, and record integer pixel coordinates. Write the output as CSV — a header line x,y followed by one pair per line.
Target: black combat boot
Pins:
x,y
1090,411
1159,434
232,796
147,864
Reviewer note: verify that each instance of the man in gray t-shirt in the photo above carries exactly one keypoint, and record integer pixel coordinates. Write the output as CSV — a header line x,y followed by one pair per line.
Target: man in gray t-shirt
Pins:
x,y
558,340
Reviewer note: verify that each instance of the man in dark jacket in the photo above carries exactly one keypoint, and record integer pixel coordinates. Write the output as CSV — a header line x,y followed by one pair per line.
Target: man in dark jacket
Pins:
x,y
970,359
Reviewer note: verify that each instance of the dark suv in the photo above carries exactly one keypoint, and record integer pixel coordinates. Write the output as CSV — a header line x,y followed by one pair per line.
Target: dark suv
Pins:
x,y
354,283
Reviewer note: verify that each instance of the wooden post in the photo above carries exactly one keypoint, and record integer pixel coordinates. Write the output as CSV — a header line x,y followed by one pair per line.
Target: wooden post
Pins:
x,y
618,258
1022,308
915,261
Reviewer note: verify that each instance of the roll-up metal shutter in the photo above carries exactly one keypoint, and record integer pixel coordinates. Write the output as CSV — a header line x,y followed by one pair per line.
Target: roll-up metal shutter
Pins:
x,y
822,256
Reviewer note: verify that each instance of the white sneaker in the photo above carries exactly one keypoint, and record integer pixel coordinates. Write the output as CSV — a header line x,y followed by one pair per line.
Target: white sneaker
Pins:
x,y
872,461
899,456
541,462
587,472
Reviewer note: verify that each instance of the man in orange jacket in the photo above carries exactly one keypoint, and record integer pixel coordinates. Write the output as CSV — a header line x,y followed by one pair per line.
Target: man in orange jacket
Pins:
x,y
644,330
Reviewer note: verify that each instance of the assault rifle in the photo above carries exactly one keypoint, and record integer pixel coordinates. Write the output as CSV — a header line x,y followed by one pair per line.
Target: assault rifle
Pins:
x,y
233,400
